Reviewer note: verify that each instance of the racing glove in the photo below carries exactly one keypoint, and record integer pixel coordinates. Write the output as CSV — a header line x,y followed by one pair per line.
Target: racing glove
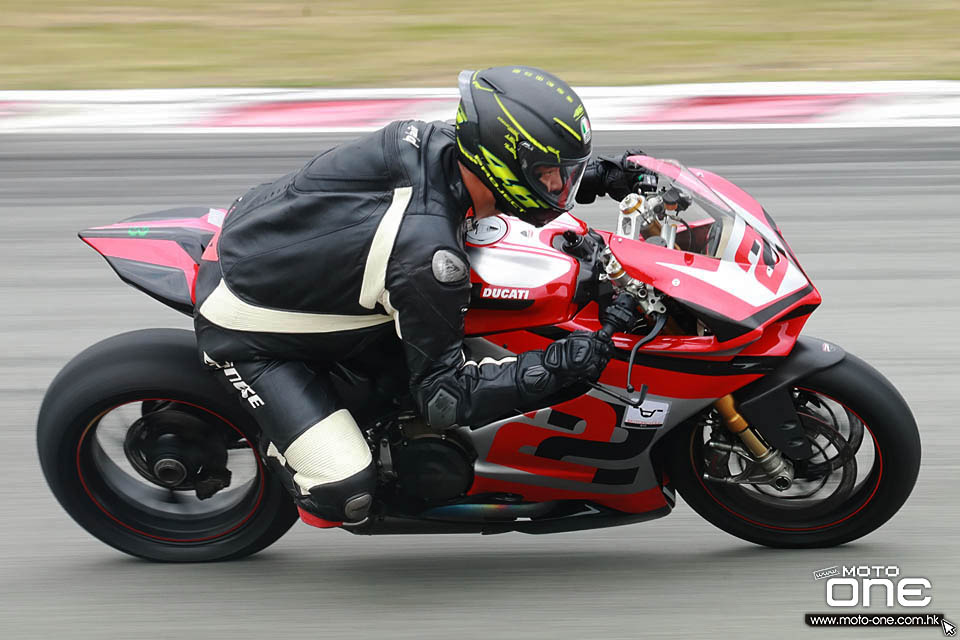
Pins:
x,y
580,357
615,177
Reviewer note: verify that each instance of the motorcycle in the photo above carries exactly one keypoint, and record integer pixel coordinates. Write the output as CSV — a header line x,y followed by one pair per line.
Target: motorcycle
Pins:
x,y
778,438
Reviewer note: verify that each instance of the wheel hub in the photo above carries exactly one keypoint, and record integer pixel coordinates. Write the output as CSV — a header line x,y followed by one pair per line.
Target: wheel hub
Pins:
x,y
177,450
170,472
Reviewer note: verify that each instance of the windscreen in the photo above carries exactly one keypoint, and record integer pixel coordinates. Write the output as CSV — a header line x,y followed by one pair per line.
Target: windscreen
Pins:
x,y
707,220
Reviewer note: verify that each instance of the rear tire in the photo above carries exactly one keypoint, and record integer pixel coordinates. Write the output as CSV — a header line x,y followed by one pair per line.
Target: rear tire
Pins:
x,y
138,369
858,388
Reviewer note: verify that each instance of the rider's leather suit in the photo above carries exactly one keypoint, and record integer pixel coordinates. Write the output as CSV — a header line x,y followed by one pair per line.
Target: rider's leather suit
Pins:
x,y
330,262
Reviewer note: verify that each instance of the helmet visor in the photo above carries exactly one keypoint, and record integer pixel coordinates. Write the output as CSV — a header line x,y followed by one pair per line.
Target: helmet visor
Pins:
x,y
554,181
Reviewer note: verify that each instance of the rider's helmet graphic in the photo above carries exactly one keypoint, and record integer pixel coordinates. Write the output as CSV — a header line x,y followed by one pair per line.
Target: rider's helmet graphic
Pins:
x,y
525,134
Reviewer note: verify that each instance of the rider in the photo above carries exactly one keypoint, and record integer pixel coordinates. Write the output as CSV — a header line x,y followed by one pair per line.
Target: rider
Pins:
x,y
365,242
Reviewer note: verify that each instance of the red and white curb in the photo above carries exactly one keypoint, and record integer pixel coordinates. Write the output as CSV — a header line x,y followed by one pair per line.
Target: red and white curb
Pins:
x,y
692,106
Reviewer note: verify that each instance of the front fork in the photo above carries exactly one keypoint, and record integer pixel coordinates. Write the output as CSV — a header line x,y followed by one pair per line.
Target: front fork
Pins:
x,y
776,471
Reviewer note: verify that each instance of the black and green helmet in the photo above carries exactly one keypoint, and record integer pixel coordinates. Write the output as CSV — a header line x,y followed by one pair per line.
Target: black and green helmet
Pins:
x,y
525,134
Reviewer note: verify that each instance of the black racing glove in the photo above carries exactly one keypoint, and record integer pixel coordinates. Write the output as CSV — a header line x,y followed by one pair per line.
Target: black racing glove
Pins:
x,y
615,177
581,356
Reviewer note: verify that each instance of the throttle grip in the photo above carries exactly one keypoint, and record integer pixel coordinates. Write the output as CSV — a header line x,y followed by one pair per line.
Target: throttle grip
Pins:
x,y
620,315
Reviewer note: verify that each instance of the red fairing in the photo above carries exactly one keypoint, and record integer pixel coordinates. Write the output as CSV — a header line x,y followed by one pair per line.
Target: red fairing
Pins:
x,y
514,439
778,338
518,278
675,384
530,445
660,381
736,289
638,502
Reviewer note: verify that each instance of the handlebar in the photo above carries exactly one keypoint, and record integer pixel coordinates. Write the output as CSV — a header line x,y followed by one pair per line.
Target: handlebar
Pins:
x,y
620,316
623,313
632,294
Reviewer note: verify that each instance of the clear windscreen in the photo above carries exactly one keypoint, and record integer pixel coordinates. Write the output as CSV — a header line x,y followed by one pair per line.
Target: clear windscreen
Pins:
x,y
702,219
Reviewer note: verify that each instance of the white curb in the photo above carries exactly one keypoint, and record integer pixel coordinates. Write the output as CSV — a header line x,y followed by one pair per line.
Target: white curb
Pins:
x,y
684,106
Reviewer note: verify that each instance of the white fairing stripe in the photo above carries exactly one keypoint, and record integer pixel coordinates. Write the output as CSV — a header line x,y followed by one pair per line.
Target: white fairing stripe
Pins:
x,y
731,277
517,268
223,308
375,271
330,451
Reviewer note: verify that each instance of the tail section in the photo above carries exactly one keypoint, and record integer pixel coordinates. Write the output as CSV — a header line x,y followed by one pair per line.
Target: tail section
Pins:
x,y
159,253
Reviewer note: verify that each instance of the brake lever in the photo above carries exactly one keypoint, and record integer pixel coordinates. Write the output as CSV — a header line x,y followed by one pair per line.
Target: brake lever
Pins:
x,y
657,328
633,402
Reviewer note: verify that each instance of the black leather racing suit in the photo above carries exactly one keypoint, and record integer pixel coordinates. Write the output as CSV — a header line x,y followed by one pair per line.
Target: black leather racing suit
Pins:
x,y
363,243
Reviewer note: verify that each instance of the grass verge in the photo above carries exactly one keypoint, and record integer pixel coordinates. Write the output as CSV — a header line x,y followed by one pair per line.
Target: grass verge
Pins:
x,y
75,44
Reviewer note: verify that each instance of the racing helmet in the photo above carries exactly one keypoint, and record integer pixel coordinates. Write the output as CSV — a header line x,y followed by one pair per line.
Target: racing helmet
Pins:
x,y
525,133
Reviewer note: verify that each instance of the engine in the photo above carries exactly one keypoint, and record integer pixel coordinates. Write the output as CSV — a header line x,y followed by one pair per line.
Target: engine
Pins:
x,y
431,468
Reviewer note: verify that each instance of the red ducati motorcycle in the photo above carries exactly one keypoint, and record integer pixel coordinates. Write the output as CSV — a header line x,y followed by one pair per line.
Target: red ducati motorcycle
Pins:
x,y
777,438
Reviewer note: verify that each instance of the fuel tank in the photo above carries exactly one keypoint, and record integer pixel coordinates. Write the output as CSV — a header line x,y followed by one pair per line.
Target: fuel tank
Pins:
x,y
519,279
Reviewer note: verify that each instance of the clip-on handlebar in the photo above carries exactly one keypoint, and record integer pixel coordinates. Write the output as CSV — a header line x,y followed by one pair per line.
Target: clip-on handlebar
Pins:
x,y
620,316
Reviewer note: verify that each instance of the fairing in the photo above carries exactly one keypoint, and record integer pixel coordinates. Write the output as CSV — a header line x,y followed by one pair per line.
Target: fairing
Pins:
x,y
159,252
751,296
519,279
748,279
737,287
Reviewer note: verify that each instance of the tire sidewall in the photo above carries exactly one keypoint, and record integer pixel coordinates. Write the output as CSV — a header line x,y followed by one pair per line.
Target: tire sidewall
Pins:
x,y
889,421
131,367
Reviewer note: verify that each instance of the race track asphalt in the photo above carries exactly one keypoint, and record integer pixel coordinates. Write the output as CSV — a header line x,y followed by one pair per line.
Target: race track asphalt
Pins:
x,y
873,215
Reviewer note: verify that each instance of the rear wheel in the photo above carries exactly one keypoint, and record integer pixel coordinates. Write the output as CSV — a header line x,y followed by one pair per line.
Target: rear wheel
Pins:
x,y
866,459
142,448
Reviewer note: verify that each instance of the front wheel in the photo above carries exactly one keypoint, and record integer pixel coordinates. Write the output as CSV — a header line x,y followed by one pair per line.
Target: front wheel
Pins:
x,y
145,451
866,459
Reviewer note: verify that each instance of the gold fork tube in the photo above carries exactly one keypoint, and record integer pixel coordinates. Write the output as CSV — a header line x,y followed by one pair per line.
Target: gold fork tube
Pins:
x,y
737,424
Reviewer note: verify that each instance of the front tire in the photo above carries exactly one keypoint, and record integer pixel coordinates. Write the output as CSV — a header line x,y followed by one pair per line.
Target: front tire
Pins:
x,y
108,390
880,430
